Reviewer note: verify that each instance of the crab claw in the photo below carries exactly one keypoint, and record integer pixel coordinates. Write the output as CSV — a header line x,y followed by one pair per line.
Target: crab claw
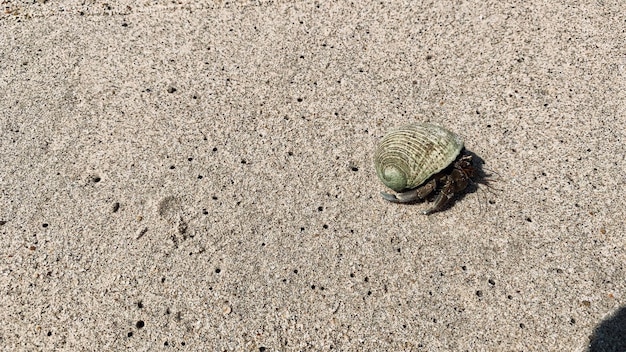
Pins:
x,y
403,197
390,197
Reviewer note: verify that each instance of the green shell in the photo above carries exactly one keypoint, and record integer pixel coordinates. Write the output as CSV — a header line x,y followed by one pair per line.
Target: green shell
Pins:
x,y
409,155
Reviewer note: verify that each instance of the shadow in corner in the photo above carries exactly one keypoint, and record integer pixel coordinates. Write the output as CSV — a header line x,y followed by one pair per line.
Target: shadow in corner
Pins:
x,y
610,335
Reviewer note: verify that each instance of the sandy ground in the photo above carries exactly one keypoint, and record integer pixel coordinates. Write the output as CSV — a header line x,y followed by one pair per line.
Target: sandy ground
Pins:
x,y
197,175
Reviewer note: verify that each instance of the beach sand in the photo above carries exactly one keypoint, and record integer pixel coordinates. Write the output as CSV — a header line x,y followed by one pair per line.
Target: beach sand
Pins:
x,y
198,175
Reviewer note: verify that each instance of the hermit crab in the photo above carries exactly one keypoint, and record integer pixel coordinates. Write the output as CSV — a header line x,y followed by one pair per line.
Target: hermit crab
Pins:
x,y
419,159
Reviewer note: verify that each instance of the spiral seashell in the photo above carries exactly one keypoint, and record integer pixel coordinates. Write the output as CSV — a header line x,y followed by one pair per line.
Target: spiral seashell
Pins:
x,y
409,155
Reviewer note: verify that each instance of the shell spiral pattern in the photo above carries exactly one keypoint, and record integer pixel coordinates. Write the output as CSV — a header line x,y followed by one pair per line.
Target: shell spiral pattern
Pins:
x,y
409,155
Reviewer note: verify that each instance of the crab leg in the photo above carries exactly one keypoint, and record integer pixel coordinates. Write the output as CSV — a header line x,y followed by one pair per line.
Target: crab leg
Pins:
x,y
456,182
447,192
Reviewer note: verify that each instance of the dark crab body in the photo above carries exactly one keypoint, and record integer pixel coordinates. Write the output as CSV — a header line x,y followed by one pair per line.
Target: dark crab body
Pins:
x,y
418,159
